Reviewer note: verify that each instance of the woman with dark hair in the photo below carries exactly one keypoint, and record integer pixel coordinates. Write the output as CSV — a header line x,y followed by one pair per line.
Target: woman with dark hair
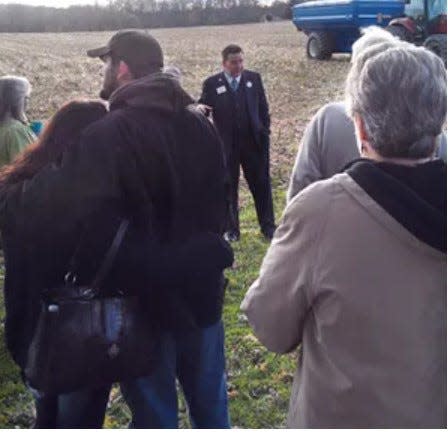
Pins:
x,y
22,255
63,130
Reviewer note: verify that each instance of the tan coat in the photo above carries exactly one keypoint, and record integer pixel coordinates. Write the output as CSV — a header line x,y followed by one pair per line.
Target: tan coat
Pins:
x,y
366,300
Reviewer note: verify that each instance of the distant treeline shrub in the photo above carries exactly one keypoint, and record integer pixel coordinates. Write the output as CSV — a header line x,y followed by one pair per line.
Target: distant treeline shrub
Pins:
x,y
137,14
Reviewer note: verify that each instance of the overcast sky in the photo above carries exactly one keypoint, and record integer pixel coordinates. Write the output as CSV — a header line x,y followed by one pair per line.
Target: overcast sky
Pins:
x,y
59,3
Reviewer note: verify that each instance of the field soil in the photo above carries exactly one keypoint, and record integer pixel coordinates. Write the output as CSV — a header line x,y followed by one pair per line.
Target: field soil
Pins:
x,y
56,65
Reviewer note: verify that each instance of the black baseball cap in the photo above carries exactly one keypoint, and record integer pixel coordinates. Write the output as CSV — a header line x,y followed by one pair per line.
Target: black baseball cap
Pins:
x,y
135,48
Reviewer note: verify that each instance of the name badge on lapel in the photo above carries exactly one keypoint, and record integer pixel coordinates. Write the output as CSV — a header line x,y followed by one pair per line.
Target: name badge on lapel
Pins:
x,y
220,90
249,84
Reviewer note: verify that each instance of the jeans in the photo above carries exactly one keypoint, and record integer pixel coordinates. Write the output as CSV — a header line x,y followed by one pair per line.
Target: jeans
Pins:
x,y
80,409
197,359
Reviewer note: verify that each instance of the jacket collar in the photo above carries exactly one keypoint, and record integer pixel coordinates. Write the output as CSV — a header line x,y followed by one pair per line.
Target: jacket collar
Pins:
x,y
160,92
414,196
229,78
222,80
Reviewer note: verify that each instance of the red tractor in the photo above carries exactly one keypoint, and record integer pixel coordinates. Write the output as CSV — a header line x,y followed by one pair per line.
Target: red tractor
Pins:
x,y
424,24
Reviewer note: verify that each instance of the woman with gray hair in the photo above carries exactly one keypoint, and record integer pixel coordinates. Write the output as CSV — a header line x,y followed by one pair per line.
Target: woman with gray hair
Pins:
x,y
329,142
15,134
356,273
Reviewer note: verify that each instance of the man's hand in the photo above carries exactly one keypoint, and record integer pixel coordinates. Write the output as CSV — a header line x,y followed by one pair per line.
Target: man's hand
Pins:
x,y
206,110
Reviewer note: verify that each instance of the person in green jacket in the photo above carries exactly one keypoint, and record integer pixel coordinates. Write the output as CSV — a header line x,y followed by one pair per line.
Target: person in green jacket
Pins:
x,y
15,133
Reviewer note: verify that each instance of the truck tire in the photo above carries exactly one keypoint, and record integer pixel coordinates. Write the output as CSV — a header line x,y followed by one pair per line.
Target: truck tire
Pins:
x,y
437,44
400,32
319,46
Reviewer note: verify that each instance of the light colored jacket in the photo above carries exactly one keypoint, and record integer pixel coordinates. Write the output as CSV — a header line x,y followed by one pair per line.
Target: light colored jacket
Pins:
x,y
328,145
367,302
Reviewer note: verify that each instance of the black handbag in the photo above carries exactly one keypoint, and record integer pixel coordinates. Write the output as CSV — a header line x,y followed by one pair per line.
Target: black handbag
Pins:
x,y
84,340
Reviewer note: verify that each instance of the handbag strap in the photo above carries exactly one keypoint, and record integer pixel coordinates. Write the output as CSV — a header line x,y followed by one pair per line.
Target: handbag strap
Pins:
x,y
108,261
110,256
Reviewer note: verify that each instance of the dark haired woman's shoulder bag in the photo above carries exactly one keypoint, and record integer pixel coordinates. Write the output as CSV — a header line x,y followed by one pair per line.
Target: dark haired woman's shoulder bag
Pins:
x,y
84,340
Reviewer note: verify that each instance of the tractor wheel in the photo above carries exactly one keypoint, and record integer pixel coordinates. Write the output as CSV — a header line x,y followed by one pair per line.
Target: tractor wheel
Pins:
x,y
437,44
319,46
400,32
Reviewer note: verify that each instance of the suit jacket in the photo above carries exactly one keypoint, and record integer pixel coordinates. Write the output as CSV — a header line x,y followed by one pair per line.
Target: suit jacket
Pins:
x,y
216,93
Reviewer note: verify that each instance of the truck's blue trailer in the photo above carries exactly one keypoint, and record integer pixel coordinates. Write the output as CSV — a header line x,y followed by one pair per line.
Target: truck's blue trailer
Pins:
x,y
333,25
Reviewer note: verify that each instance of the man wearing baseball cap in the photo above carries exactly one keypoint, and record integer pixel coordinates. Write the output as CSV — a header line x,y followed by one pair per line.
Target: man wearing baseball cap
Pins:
x,y
157,162
137,53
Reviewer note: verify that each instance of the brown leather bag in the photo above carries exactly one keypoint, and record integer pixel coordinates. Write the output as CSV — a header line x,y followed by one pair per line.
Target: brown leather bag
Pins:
x,y
83,340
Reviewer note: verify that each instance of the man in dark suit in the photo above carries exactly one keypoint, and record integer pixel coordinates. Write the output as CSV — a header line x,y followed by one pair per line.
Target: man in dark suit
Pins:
x,y
236,99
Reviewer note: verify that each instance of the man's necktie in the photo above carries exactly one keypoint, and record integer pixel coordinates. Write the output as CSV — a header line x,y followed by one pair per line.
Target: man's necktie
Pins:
x,y
234,84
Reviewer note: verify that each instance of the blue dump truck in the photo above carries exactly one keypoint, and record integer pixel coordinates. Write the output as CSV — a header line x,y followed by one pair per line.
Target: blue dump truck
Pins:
x,y
333,25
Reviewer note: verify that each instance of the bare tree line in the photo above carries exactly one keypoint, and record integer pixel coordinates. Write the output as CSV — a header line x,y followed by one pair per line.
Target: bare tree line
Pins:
x,y
137,14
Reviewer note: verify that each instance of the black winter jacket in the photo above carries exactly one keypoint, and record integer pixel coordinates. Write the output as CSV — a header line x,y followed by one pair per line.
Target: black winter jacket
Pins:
x,y
152,159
